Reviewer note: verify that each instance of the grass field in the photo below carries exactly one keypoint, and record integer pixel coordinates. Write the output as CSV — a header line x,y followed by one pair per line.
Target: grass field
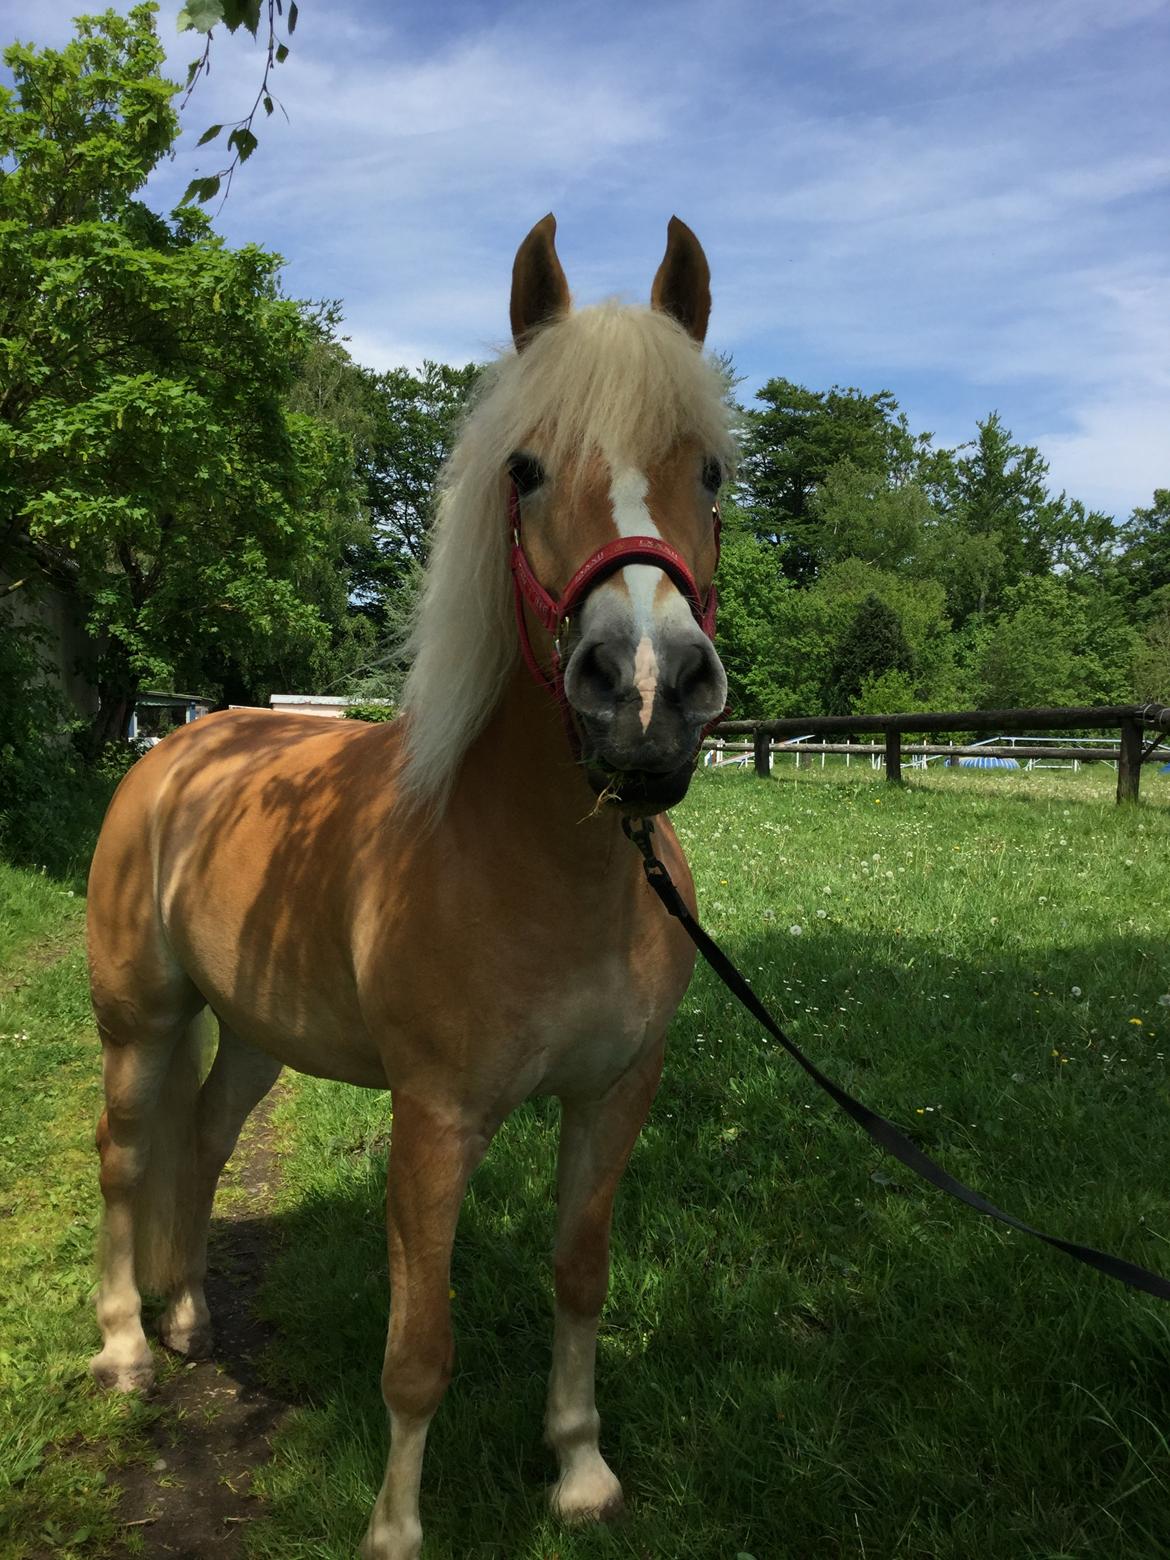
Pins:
x,y
805,1353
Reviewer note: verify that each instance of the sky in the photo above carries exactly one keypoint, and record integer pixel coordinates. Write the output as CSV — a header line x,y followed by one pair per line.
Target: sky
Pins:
x,y
964,203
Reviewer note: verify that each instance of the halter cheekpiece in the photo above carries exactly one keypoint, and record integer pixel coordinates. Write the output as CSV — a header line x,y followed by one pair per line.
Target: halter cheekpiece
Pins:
x,y
554,612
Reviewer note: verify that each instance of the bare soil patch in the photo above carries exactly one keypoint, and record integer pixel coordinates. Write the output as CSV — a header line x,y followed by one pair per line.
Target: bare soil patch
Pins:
x,y
191,1498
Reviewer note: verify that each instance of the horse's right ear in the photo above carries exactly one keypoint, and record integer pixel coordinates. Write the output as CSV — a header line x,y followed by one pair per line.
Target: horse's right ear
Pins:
x,y
540,292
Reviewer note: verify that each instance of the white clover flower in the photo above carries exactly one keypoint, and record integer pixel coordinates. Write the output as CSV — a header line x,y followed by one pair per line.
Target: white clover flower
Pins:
x,y
795,931
821,914
1164,999
1074,991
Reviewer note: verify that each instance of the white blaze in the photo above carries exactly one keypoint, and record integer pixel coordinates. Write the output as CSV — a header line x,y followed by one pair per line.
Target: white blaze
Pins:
x,y
631,515
646,678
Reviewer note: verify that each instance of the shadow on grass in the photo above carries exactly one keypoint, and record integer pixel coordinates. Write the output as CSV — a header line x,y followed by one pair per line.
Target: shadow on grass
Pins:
x,y
804,1351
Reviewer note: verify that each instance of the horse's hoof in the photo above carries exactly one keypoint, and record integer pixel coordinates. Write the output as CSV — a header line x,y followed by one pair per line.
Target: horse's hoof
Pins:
x,y
113,1374
590,1495
193,1342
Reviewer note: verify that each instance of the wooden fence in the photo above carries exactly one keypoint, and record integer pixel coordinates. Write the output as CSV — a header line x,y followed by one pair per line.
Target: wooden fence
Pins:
x,y
1131,752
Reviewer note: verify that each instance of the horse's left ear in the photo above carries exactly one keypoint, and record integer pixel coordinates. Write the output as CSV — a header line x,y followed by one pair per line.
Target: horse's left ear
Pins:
x,y
682,287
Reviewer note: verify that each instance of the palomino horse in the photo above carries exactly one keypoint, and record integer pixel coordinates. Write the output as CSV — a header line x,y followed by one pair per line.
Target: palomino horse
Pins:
x,y
444,907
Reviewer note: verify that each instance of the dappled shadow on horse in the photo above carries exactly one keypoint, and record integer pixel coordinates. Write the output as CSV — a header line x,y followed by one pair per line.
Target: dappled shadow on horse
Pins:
x,y
445,906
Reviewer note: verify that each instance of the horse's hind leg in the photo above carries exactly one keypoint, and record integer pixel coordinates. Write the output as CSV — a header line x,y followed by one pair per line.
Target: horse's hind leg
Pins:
x,y
597,1137
239,1079
150,1069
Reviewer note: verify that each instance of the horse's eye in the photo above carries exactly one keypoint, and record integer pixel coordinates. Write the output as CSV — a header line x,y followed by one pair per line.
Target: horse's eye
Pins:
x,y
526,472
712,475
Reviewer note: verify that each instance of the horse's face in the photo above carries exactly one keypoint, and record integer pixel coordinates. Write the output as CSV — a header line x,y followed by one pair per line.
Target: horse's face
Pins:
x,y
640,674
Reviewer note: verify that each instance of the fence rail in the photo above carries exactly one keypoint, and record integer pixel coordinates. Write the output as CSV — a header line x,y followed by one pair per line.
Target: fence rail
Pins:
x,y
1131,719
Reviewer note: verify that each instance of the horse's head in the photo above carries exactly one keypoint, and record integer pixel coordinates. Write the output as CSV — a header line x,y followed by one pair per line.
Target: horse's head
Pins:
x,y
614,503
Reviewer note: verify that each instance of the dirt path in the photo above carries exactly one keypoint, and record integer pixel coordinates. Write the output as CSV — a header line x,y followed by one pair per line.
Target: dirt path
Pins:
x,y
192,1499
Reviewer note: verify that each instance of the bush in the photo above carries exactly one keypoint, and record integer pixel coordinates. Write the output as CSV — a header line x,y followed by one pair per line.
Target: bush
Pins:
x,y
371,712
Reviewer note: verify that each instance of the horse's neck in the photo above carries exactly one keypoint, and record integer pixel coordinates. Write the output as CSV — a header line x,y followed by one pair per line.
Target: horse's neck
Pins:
x,y
521,775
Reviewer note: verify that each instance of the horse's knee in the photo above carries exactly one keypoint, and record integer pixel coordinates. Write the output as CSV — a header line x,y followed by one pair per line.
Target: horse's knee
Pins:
x,y
417,1373
581,1271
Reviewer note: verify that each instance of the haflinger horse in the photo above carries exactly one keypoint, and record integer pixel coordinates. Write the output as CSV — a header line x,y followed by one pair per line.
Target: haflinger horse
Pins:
x,y
443,906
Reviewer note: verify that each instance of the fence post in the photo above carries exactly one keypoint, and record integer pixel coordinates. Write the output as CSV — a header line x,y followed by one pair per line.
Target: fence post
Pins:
x,y
1129,761
762,748
894,757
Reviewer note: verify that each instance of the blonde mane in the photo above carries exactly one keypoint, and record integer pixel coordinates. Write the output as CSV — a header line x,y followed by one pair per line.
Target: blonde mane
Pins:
x,y
628,382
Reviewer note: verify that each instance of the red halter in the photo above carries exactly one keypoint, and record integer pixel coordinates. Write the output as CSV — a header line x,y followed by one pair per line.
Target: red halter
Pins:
x,y
553,612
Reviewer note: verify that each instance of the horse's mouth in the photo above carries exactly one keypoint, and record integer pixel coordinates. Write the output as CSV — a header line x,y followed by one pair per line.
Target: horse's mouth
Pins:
x,y
639,793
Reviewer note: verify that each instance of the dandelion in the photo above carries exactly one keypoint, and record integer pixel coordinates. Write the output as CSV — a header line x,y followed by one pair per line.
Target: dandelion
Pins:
x,y
1074,991
1164,999
795,931
821,914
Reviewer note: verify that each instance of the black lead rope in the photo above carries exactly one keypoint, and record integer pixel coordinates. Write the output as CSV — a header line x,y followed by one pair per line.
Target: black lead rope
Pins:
x,y
883,1132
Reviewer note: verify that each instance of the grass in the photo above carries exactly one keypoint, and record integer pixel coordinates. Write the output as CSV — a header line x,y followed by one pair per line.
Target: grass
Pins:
x,y
805,1353
58,1437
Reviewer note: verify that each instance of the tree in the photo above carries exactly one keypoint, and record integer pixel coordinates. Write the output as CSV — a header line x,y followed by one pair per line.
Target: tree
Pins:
x,y
1145,549
794,442
873,645
1054,643
999,524
413,421
862,514
149,464
1151,671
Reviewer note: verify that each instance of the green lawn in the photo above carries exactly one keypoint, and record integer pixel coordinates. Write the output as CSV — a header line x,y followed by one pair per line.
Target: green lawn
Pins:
x,y
805,1353
59,1440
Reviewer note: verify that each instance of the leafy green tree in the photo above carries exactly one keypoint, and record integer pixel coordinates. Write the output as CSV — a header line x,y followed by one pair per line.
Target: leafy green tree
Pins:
x,y
873,645
755,611
1151,672
1054,643
413,421
794,440
862,514
148,461
1000,525
1144,563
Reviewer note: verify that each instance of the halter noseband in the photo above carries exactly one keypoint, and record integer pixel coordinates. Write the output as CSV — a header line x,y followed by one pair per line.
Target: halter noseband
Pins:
x,y
552,613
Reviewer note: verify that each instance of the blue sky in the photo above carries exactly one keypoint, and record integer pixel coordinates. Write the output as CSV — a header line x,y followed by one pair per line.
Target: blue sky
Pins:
x,y
965,203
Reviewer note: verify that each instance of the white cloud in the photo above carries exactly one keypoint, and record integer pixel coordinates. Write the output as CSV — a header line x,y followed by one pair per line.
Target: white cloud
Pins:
x,y
970,196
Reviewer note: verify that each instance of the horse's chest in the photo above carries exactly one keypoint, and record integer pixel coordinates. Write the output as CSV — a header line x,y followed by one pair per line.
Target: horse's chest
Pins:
x,y
585,1033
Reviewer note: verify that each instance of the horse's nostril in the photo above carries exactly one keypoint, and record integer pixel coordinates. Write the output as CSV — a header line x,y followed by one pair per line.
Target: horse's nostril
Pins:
x,y
699,682
596,677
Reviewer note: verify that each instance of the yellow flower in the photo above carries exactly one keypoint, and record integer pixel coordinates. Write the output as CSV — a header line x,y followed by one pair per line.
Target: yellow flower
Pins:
x,y
920,1111
450,1294
1135,1021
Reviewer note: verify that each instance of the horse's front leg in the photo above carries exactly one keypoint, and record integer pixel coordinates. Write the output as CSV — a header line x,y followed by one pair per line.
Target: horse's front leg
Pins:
x,y
596,1139
433,1152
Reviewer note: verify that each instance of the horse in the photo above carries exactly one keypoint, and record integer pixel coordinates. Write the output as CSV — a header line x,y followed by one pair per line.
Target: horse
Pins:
x,y
442,906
